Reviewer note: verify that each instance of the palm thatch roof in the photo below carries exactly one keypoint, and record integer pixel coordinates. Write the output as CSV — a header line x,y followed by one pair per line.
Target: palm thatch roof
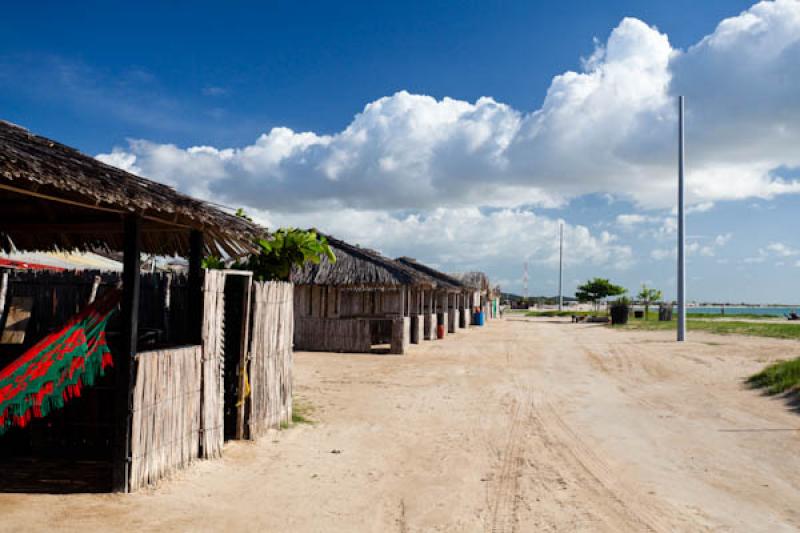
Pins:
x,y
443,281
474,280
54,197
357,267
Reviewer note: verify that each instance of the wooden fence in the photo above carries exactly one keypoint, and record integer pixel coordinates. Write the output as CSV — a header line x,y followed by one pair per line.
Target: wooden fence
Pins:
x,y
271,356
178,408
165,432
212,406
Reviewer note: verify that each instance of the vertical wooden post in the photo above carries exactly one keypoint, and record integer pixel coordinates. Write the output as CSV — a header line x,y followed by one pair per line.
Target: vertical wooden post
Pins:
x,y
3,291
196,285
244,361
123,362
92,295
167,302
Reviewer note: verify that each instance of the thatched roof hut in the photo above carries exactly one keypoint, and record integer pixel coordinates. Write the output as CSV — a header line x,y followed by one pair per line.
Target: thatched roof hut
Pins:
x,y
474,280
357,267
54,197
443,281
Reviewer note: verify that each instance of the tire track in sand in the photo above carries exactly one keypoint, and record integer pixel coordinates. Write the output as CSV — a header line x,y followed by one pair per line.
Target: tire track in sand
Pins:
x,y
606,497
504,496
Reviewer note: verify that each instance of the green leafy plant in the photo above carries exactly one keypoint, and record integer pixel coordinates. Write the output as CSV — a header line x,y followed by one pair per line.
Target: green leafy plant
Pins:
x,y
649,296
596,290
283,250
212,261
278,253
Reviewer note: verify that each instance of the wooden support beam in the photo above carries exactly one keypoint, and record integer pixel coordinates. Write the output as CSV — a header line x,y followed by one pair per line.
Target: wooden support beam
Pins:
x,y
195,287
124,360
109,226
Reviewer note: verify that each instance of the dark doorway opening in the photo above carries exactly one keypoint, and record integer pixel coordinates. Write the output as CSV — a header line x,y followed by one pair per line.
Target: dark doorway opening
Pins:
x,y
235,346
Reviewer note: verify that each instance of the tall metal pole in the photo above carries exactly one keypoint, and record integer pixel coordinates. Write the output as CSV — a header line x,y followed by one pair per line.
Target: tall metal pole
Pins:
x,y
525,280
681,232
560,266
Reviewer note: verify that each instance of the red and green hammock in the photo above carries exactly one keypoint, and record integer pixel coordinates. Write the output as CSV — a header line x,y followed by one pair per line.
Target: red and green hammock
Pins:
x,y
53,370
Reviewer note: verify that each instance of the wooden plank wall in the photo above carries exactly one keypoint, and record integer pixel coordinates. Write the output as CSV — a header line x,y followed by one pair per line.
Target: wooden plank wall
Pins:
x,y
317,301
165,432
332,335
331,302
212,406
271,356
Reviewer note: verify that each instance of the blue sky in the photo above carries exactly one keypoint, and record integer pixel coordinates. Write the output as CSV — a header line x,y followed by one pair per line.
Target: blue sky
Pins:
x,y
578,125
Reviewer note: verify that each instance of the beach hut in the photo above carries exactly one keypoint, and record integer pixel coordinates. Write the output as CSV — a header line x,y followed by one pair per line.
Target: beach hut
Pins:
x,y
360,303
167,391
477,292
450,305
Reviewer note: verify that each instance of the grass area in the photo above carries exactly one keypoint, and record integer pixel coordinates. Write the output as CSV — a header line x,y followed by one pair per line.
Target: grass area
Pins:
x,y
757,329
778,378
652,315
731,316
551,313
301,413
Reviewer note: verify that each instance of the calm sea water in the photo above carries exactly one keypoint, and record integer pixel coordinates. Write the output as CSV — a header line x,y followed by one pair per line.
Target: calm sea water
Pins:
x,y
766,311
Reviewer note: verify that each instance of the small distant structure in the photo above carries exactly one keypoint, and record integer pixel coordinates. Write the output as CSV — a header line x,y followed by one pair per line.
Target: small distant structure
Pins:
x,y
481,293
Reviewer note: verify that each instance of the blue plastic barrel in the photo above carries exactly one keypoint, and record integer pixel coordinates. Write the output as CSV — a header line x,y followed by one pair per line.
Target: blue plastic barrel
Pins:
x,y
479,318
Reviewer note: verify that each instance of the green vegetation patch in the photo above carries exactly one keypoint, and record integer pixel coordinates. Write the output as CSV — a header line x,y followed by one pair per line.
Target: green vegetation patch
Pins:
x,y
301,413
756,329
734,317
559,313
778,378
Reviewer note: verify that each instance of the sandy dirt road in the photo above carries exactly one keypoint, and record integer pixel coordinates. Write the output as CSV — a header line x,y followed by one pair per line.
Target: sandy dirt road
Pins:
x,y
524,425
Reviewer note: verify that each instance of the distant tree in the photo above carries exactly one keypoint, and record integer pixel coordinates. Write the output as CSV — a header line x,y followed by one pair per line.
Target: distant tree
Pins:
x,y
597,289
647,296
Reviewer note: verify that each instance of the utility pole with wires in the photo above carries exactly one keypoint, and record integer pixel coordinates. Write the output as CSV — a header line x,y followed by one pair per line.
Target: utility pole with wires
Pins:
x,y
560,266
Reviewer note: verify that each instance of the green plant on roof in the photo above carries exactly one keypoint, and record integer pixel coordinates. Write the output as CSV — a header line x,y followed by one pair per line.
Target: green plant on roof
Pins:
x,y
278,253
284,249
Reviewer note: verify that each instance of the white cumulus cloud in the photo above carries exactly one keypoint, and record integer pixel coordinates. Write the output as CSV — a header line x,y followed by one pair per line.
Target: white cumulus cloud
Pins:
x,y
607,129
455,181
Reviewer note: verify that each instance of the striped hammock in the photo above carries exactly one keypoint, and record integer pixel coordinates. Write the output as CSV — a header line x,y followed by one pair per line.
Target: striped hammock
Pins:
x,y
53,371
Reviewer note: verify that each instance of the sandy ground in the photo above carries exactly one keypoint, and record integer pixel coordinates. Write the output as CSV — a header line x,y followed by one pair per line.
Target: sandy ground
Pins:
x,y
523,425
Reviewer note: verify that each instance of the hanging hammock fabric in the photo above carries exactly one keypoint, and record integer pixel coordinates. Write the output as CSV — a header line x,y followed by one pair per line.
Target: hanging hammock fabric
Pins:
x,y
55,369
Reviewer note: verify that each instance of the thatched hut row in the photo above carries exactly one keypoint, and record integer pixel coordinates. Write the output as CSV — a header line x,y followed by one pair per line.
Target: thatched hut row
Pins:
x,y
157,370
366,302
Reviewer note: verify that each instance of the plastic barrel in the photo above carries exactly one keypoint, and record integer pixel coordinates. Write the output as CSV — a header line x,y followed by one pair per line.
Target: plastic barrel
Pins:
x,y
440,331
